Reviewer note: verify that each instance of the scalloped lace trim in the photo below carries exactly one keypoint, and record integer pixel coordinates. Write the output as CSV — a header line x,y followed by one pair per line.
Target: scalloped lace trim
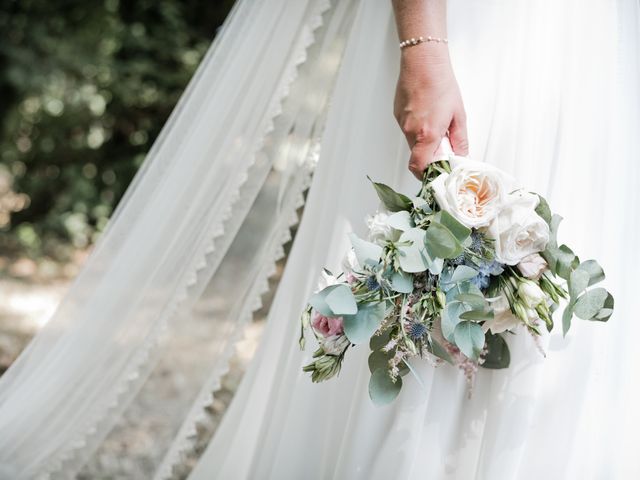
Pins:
x,y
65,463
184,441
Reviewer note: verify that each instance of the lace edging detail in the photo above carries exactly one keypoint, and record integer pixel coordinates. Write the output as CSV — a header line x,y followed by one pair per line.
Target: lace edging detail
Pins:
x,y
65,462
184,442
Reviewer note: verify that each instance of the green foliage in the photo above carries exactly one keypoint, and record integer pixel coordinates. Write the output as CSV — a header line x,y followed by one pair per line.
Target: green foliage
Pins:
x,y
359,327
392,200
84,89
382,389
498,355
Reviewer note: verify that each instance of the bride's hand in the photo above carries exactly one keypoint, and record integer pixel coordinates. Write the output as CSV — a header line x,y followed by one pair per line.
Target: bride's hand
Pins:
x,y
428,105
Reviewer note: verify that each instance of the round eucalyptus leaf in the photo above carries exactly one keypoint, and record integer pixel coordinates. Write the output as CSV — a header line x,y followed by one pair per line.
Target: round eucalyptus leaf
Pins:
x,y
382,390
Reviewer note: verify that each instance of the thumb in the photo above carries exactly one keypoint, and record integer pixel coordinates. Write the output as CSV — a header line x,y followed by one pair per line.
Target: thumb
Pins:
x,y
458,134
422,154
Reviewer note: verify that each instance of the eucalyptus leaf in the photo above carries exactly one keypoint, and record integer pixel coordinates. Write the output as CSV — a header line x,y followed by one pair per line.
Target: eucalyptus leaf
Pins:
x,y
378,341
319,300
498,355
578,282
459,231
469,338
441,243
567,315
543,209
439,351
401,220
606,311
359,327
566,262
383,390
590,303
462,273
413,257
595,271
402,282
477,302
451,318
366,252
477,315
379,359
341,300
392,200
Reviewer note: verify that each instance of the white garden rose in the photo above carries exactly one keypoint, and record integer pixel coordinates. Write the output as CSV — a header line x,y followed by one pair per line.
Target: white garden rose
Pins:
x,y
474,192
518,231
379,229
503,319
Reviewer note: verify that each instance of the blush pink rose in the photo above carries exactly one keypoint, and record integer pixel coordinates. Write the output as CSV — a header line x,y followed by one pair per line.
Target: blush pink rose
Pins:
x,y
327,326
532,266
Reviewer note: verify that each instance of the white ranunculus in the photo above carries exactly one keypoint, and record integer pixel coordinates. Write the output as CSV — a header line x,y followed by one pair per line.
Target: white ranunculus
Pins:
x,y
379,229
518,231
474,192
531,294
532,266
335,344
503,319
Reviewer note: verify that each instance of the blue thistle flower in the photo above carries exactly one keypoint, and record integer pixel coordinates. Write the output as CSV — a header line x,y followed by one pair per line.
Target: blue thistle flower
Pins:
x,y
417,330
491,267
481,280
372,283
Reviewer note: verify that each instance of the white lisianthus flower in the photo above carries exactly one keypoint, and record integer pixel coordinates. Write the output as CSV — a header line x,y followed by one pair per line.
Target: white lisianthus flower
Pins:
x,y
503,319
474,192
531,294
518,231
350,265
532,266
335,344
379,229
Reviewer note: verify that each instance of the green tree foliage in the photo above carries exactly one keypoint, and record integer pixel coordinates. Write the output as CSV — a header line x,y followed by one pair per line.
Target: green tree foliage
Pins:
x,y
85,87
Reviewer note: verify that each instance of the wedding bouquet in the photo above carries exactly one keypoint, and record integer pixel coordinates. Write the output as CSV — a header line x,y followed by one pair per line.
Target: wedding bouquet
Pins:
x,y
445,275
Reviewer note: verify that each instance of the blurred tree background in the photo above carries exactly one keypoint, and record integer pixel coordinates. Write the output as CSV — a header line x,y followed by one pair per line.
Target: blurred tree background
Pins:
x,y
85,87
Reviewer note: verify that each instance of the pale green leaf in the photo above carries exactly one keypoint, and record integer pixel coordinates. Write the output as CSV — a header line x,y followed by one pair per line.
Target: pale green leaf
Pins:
x,y
451,318
359,327
413,257
459,231
401,220
402,282
383,390
469,338
578,282
498,355
366,252
341,300
392,200
590,303
596,274
441,243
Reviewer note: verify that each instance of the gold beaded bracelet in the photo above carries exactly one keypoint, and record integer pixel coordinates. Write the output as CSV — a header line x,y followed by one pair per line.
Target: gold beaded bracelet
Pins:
x,y
410,42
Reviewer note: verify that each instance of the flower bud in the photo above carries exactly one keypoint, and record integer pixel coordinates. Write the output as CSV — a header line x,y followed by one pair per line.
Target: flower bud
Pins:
x,y
530,293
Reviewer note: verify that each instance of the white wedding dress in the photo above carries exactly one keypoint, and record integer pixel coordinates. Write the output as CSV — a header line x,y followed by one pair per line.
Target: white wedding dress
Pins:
x,y
552,96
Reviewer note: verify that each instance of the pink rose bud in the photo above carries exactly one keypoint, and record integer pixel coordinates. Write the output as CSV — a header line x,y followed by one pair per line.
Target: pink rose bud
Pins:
x,y
327,326
532,266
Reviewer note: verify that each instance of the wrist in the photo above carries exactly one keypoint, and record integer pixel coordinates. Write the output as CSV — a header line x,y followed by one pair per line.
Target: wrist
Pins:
x,y
426,55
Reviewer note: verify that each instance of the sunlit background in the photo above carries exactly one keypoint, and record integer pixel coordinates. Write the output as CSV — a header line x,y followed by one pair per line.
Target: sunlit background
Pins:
x,y
85,87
